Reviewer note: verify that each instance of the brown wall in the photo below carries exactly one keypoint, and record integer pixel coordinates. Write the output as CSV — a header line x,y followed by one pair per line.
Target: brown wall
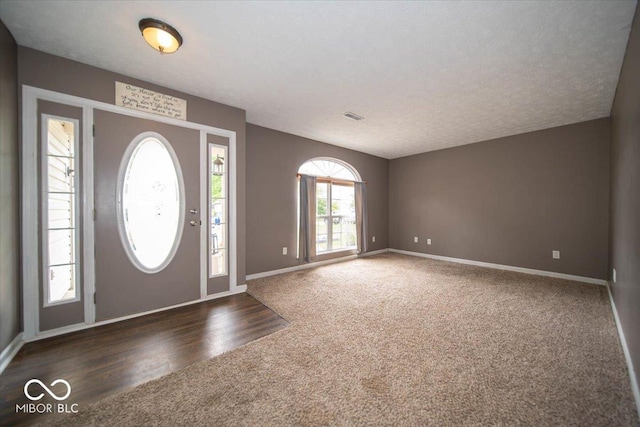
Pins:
x,y
9,192
273,159
46,71
509,201
625,196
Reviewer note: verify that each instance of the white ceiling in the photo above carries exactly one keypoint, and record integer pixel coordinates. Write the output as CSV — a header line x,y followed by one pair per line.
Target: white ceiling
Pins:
x,y
425,75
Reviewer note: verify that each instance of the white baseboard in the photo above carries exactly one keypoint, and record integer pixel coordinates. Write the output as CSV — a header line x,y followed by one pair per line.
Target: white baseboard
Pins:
x,y
506,267
10,351
313,264
372,253
627,355
300,267
81,326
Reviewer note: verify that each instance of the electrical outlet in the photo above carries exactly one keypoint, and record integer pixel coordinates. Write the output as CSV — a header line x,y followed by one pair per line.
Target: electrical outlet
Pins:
x,y
284,250
555,254
415,240
614,275
373,239
428,241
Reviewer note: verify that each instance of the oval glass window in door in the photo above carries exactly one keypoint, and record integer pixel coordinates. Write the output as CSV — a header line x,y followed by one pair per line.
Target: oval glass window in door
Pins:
x,y
150,202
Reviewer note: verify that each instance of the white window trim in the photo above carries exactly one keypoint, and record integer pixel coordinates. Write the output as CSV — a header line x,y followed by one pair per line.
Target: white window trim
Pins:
x,y
30,204
44,182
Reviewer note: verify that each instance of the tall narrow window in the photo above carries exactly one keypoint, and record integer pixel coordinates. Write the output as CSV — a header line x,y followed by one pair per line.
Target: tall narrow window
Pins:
x,y
335,216
218,173
60,210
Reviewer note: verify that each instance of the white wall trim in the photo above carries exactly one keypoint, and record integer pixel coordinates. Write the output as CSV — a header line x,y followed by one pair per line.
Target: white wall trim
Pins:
x,y
81,326
300,267
627,355
506,267
88,232
30,223
10,351
203,214
372,253
312,265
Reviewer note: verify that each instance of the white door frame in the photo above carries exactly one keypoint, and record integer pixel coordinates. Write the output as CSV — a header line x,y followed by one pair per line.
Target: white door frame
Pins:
x,y
30,206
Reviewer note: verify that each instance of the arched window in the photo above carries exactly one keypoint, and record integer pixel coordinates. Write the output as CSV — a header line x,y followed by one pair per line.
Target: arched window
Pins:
x,y
332,227
329,168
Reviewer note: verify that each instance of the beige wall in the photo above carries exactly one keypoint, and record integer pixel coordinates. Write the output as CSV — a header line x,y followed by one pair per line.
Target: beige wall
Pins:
x,y
625,196
509,201
273,159
9,192
46,71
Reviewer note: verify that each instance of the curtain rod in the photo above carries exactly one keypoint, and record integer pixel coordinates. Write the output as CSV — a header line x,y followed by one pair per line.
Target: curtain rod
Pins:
x,y
298,175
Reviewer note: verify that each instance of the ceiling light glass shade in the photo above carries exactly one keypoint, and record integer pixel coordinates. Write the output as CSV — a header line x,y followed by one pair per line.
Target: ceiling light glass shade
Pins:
x,y
160,36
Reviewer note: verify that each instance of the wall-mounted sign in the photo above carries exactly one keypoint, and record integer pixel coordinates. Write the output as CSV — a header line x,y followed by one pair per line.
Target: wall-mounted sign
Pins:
x,y
138,98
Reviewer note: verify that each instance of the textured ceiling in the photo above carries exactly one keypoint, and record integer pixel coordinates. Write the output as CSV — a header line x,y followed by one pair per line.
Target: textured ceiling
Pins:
x,y
425,75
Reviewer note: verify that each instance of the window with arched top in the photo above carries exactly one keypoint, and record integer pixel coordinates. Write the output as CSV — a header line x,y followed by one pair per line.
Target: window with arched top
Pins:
x,y
334,223
329,168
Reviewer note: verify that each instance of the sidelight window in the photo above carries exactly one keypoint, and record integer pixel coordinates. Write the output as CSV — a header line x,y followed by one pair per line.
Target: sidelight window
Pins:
x,y
60,211
217,210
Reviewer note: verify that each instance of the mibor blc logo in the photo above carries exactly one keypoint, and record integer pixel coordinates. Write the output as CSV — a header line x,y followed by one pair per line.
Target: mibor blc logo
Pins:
x,y
42,408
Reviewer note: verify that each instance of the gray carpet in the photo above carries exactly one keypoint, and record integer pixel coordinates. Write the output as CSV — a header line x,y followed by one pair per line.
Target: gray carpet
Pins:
x,y
397,340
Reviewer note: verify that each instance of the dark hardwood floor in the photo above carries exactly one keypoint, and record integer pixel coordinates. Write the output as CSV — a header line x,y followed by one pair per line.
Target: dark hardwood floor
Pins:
x,y
109,359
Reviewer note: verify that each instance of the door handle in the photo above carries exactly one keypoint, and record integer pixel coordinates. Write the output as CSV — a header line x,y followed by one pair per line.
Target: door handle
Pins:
x,y
193,223
193,211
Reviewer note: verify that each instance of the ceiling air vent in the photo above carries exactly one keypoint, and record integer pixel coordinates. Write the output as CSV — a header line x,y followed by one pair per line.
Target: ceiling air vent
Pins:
x,y
353,116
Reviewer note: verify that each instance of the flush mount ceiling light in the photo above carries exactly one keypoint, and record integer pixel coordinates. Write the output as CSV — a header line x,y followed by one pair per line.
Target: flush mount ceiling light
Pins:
x,y
160,36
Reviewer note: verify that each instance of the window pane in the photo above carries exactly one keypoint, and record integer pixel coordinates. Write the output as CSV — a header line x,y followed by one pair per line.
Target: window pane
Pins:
x,y
61,172
322,198
61,247
321,243
60,210
322,225
218,262
218,211
61,282
61,138
327,168
218,237
151,204
343,200
218,186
